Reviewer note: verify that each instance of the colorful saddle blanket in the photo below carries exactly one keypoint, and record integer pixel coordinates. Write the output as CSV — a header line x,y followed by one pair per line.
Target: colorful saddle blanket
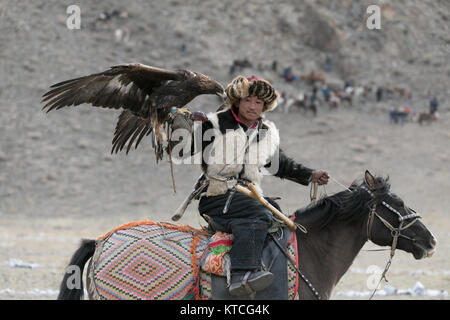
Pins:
x,y
285,283
217,259
159,261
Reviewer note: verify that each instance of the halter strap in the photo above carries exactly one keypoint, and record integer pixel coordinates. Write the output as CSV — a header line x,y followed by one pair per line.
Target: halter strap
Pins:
x,y
395,232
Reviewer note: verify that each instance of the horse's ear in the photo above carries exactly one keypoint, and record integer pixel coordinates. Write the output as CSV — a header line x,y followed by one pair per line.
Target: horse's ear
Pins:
x,y
369,179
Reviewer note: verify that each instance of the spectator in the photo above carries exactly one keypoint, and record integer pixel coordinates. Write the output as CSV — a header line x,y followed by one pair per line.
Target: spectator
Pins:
x,y
327,64
433,105
392,115
183,50
379,94
325,93
314,94
404,115
334,100
288,74
274,65
399,115
346,85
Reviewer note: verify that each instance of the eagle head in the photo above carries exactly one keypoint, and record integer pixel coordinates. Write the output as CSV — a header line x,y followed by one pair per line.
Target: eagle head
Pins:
x,y
203,84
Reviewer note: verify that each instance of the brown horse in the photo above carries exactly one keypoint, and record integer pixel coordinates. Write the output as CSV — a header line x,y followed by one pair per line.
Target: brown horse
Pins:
x,y
403,92
338,227
313,77
239,65
346,97
425,117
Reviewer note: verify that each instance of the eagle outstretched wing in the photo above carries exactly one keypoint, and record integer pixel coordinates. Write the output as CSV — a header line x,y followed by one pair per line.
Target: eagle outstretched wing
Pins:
x,y
128,128
146,95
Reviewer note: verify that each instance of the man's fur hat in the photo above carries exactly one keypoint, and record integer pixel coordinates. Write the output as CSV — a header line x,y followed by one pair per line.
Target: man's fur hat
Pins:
x,y
242,87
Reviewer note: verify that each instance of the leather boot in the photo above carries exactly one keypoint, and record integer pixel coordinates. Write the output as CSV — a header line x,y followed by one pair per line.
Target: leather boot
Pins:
x,y
248,282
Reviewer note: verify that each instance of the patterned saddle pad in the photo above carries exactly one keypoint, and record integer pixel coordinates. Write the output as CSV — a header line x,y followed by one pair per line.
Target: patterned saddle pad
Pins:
x,y
157,261
217,260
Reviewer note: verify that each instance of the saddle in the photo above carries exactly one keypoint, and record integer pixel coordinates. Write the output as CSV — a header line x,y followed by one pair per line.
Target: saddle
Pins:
x,y
160,261
285,283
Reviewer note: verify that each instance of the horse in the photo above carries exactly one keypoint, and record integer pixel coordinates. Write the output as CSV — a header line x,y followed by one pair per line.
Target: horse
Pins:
x,y
403,92
426,117
334,100
337,226
344,96
303,105
313,77
286,102
239,65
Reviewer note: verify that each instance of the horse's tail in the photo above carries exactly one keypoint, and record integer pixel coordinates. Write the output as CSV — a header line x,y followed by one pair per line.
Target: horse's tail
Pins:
x,y
72,289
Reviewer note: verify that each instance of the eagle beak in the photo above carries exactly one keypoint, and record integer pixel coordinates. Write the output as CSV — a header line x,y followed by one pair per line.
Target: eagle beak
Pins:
x,y
221,94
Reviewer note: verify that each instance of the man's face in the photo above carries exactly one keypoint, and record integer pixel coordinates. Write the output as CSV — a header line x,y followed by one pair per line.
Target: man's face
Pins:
x,y
250,109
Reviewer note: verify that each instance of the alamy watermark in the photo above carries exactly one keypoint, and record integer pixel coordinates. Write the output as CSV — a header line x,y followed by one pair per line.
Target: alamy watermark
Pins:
x,y
373,22
373,280
74,281
73,21
228,149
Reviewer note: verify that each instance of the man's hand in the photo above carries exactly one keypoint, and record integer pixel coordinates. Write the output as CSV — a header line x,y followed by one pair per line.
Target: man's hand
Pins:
x,y
320,176
182,124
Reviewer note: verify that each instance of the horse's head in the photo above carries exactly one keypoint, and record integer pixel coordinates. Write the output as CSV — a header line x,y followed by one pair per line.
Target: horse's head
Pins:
x,y
392,223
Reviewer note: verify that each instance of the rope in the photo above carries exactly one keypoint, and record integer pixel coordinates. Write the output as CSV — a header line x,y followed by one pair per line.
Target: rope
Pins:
x,y
195,268
335,181
294,265
128,225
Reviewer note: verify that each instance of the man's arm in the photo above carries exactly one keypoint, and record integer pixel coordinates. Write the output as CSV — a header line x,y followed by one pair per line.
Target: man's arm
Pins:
x,y
185,129
291,170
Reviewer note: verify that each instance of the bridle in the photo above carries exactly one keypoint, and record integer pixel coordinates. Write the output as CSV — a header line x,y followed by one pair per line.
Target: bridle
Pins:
x,y
395,232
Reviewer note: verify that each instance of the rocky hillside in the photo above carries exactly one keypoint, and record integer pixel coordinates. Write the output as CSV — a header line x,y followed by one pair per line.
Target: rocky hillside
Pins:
x,y
60,163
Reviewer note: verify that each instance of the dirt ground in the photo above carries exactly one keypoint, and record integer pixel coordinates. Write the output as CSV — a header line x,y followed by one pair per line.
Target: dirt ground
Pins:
x,y
35,249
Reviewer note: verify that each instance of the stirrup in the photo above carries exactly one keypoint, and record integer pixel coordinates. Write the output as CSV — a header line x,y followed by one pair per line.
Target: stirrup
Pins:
x,y
250,283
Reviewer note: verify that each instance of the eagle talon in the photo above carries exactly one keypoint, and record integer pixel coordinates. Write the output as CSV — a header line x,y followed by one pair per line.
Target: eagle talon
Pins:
x,y
183,111
174,112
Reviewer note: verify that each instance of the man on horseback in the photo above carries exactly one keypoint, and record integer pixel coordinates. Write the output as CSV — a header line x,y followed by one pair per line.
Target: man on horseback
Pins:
x,y
242,146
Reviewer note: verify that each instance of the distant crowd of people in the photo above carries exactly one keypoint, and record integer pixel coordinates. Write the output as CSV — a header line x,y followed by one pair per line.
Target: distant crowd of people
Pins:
x,y
334,95
403,114
309,102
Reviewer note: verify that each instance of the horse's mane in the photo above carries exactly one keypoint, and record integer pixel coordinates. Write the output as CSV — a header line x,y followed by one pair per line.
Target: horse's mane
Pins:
x,y
345,206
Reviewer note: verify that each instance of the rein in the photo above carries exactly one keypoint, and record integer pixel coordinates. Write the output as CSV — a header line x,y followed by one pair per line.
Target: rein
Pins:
x,y
294,265
395,232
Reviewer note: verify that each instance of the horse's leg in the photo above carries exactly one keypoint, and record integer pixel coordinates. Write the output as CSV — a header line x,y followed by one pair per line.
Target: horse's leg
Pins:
x,y
314,110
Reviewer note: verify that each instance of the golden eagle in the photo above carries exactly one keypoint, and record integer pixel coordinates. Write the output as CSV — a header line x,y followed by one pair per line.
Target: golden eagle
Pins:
x,y
147,95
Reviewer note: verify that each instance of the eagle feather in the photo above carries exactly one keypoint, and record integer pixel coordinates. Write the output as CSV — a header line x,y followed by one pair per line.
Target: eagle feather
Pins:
x,y
145,94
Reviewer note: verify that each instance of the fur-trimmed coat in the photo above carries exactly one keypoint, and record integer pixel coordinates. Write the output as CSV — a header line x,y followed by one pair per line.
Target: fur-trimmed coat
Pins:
x,y
230,149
